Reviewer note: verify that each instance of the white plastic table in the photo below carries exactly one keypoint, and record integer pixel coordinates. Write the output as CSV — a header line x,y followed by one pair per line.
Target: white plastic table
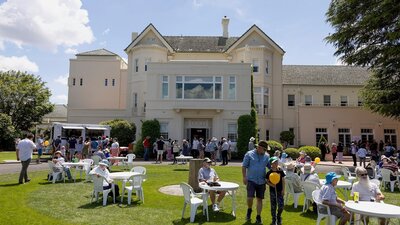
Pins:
x,y
342,185
183,159
122,175
73,164
229,187
373,209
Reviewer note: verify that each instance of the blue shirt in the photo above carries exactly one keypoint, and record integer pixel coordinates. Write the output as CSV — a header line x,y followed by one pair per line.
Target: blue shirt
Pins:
x,y
256,165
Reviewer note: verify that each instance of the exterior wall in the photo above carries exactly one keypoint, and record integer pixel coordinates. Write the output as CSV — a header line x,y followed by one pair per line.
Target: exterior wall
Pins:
x,y
333,118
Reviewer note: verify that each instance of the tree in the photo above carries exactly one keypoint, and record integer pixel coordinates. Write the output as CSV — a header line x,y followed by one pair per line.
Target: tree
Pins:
x,y
253,112
121,129
244,133
24,98
149,128
367,34
286,137
6,131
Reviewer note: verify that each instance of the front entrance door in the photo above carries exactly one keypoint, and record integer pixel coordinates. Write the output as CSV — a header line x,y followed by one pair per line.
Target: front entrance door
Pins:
x,y
198,133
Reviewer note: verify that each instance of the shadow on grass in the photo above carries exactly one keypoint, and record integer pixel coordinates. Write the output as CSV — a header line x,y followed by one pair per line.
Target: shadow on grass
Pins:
x,y
99,204
9,185
180,169
290,208
219,217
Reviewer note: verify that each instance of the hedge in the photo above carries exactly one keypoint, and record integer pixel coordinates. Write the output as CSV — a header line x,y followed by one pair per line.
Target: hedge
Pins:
x,y
274,145
292,152
311,151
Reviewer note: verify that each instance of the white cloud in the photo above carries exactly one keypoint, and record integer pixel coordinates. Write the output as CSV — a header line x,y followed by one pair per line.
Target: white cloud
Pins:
x,y
106,31
71,51
63,80
44,24
17,63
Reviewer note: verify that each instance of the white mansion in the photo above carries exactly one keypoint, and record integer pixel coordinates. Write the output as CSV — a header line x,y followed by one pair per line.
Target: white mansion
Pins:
x,y
200,85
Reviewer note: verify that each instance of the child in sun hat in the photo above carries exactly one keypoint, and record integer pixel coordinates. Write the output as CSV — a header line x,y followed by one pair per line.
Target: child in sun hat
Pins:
x,y
276,191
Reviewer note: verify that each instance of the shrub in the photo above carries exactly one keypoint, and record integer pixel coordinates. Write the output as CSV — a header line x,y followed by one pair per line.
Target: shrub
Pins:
x,y
292,153
245,128
123,130
274,145
149,128
311,151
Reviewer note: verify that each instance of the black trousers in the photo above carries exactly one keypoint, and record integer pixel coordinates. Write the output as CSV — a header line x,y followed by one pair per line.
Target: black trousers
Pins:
x,y
224,157
24,170
354,159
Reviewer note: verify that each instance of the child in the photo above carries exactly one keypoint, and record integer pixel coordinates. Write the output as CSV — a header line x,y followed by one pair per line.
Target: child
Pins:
x,y
276,191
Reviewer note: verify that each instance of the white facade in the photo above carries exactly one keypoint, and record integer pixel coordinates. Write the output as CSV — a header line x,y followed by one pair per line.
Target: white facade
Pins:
x,y
200,85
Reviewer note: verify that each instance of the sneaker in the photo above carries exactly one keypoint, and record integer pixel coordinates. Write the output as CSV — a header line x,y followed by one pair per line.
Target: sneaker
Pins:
x,y
215,208
258,219
248,215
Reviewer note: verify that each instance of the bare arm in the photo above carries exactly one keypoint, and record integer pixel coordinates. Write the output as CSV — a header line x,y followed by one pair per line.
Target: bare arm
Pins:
x,y
244,174
17,152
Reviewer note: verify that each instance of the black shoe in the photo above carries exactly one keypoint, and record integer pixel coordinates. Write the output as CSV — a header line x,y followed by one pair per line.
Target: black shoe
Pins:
x,y
248,215
20,182
27,181
279,221
258,219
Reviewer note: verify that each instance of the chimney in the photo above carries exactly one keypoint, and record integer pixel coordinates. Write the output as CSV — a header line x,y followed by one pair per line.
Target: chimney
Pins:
x,y
225,23
134,35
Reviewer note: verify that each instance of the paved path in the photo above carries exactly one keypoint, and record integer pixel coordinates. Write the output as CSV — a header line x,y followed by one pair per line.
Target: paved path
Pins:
x,y
15,167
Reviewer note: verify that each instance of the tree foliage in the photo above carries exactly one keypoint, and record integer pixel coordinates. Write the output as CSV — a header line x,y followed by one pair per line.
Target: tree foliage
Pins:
x,y
149,128
24,98
121,129
244,134
286,137
367,33
7,131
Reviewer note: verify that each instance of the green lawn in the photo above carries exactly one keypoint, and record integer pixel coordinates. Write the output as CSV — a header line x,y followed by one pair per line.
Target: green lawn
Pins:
x,y
40,202
7,156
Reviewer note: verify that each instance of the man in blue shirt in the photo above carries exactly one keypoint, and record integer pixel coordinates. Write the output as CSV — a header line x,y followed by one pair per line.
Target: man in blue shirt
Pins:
x,y
254,174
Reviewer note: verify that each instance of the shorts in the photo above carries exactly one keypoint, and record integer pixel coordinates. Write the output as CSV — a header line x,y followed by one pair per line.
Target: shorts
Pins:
x,y
334,211
257,189
160,152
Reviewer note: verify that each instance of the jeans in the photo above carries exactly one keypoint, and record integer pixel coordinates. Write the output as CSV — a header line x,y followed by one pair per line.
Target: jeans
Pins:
x,y
24,170
146,154
224,157
276,200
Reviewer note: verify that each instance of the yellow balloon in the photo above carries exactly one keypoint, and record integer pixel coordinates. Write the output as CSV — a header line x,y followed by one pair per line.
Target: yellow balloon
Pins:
x,y
317,160
274,178
46,143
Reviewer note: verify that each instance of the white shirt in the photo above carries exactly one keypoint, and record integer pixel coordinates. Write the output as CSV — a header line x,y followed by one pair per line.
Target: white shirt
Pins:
x,y
115,145
39,144
365,193
25,147
104,173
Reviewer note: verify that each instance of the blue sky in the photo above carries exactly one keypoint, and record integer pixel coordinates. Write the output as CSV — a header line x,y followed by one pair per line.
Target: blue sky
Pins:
x,y
41,37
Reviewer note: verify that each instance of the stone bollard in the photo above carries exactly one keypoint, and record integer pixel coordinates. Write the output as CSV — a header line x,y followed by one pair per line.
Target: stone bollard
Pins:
x,y
194,166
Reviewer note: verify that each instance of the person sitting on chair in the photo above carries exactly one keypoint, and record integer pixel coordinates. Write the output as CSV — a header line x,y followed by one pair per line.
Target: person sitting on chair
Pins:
x,y
58,160
367,190
208,174
102,171
293,177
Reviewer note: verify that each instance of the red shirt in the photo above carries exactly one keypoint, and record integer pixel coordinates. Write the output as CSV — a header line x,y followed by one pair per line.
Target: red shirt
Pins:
x,y
146,143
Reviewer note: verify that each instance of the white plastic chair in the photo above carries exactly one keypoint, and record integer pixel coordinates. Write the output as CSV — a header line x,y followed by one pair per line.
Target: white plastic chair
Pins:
x,y
98,188
375,181
308,188
136,184
86,168
139,169
386,179
129,161
290,191
55,172
347,175
96,159
331,219
193,201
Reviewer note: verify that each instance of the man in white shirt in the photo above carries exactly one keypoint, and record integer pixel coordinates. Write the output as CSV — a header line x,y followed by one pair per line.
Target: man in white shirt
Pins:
x,y
24,154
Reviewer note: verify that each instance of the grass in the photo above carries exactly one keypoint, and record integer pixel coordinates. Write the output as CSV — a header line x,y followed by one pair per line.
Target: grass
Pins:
x,y
7,156
40,202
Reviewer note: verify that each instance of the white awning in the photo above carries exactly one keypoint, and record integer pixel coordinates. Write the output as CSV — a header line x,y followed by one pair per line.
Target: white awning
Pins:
x,y
73,128
96,128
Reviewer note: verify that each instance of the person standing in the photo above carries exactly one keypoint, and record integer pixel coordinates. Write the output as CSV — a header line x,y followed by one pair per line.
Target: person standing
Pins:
x,y
277,191
195,151
160,149
147,146
334,152
254,172
362,154
24,152
251,145
340,152
323,149
224,152
354,149
39,146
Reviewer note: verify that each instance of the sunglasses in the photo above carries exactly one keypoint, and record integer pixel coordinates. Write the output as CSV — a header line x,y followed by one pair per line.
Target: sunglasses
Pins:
x,y
364,174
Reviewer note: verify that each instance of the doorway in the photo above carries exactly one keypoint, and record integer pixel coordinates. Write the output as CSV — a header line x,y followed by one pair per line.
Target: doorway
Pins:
x,y
198,133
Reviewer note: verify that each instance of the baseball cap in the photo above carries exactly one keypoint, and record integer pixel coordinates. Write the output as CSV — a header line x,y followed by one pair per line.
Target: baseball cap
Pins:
x,y
207,160
263,144
330,177
273,159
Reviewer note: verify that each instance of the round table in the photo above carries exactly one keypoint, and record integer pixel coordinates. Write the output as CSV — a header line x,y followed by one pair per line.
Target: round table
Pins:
x,y
229,187
183,159
373,209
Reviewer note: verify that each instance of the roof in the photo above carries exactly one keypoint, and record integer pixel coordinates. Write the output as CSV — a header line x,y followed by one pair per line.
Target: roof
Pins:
x,y
200,43
97,52
324,75
60,111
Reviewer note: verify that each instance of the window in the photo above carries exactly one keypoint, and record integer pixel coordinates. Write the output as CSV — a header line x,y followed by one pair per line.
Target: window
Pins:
x,y
390,136
144,107
344,136
164,90
147,60
81,82
367,135
232,88
267,67
319,133
106,82
113,82
135,100
261,99
73,81
267,137
136,65
164,130
360,101
291,141
343,101
255,65
327,100
291,100
308,100
198,87
232,132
